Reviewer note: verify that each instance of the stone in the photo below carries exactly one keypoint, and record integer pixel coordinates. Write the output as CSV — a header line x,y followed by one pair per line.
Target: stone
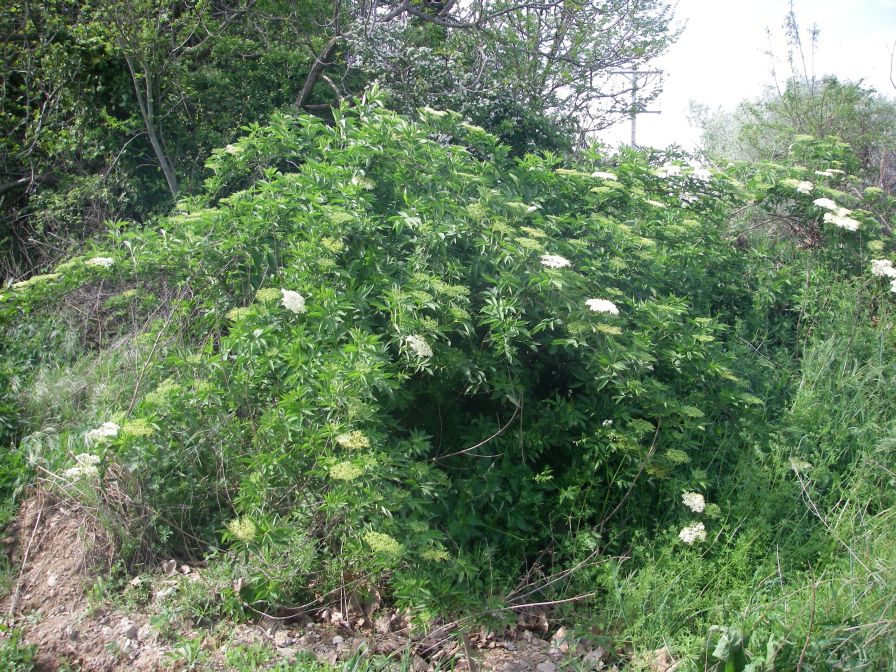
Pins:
x,y
546,667
281,638
337,640
560,640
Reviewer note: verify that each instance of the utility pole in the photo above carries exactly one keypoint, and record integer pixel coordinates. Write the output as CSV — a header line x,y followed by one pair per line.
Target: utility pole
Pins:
x,y
632,76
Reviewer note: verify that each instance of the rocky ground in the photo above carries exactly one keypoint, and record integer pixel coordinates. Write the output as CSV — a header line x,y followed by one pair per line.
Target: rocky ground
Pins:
x,y
59,552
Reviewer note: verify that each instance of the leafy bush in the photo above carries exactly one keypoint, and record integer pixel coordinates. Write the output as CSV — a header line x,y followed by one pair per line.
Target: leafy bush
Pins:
x,y
384,353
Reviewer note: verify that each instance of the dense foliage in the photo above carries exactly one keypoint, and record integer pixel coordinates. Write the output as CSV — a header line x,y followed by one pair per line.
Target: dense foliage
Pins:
x,y
385,353
109,108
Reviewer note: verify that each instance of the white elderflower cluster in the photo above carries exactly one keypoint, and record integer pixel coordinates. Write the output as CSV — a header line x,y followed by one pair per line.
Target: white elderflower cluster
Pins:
x,y
104,262
883,268
292,301
84,469
554,261
841,219
801,186
826,203
243,528
668,170
419,345
693,532
604,176
602,306
353,440
105,431
694,501
701,173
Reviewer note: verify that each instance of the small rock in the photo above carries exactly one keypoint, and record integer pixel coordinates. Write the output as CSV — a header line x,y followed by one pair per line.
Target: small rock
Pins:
x,y
169,567
281,638
136,581
510,646
72,634
511,667
51,580
420,665
286,652
546,667
595,657
337,640
382,625
130,630
185,569
560,640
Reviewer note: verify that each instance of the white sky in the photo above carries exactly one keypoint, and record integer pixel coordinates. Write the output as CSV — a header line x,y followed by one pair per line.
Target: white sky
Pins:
x,y
722,57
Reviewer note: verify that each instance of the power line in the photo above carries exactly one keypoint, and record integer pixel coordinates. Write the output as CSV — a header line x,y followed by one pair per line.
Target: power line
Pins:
x,y
632,76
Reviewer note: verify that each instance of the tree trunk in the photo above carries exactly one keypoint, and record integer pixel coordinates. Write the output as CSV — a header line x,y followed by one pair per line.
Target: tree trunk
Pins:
x,y
146,103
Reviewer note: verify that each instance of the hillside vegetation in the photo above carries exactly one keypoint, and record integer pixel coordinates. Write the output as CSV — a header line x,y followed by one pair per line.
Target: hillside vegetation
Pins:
x,y
385,355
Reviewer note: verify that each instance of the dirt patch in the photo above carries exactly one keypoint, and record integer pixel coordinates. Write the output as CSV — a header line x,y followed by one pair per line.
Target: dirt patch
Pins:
x,y
61,549
58,548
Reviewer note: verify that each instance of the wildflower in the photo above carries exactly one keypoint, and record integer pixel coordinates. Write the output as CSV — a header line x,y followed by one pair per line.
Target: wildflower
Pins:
x,y
826,203
160,395
554,261
656,204
104,262
694,501
532,231
266,294
676,456
883,268
242,528
799,466
334,245
841,221
693,532
236,314
604,176
893,286
345,471
353,440
434,554
138,427
567,171
84,469
602,306
105,431
233,149
35,280
293,301
668,170
607,423
609,329
825,173
383,543
419,345
473,128
801,186
434,113
529,244
363,182
700,173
